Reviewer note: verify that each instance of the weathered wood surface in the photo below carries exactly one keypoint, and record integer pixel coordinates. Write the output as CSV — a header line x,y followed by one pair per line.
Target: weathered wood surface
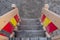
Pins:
x,y
4,19
3,38
55,18
57,37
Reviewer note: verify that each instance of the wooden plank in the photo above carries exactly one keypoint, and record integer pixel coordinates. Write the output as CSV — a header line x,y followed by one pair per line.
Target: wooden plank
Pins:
x,y
14,6
52,16
12,35
57,37
3,38
48,35
4,19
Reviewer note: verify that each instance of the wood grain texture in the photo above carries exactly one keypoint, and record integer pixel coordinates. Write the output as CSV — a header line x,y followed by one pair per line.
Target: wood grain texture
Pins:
x,y
3,38
57,37
4,19
52,16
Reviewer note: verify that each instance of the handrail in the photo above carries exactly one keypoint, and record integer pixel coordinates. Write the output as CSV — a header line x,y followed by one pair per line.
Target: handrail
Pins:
x,y
50,21
4,19
9,22
53,17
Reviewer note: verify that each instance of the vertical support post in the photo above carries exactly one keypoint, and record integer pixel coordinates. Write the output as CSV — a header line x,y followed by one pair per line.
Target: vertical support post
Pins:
x,y
46,6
